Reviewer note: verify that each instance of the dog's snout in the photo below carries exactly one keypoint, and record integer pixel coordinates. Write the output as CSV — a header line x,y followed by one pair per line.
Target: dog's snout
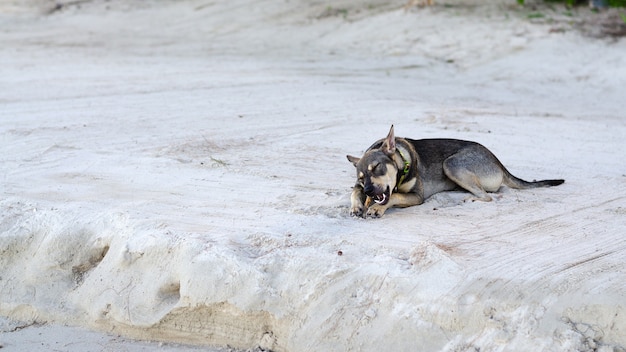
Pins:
x,y
369,189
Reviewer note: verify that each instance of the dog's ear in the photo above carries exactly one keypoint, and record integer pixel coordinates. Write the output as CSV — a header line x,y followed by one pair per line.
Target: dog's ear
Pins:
x,y
389,145
353,159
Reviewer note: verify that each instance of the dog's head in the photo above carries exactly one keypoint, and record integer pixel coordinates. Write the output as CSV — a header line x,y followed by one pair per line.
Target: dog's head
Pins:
x,y
376,170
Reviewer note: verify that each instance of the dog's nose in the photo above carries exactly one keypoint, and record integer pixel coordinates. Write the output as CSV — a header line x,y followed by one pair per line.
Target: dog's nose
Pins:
x,y
369,190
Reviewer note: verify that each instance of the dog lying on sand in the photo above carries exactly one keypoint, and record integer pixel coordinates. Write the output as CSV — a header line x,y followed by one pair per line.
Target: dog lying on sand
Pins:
x,y
401,172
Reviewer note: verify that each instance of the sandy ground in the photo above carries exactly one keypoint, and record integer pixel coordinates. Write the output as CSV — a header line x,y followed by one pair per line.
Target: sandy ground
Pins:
x,y
51,337
175,171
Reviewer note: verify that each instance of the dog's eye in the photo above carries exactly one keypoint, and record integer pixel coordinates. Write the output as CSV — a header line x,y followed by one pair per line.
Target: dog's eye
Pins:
x,y
378,169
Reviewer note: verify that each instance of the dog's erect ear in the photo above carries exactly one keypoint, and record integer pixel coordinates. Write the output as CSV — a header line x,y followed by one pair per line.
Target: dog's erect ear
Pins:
x,y
353,159
389,145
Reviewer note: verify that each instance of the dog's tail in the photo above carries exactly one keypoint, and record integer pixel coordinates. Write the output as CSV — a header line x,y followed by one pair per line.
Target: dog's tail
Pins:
x,y
514,182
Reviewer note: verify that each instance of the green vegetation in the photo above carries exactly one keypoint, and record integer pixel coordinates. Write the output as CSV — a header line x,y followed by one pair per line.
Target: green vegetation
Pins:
x,y
536,15
218,162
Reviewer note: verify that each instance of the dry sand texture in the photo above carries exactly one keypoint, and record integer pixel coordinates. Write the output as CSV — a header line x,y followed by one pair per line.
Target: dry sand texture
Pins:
x,y
175,171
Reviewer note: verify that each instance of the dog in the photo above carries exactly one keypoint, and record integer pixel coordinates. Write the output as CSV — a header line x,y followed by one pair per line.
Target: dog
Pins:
x,y
402,172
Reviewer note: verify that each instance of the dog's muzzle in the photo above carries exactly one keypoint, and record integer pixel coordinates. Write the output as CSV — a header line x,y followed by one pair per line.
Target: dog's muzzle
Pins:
x,y
378,197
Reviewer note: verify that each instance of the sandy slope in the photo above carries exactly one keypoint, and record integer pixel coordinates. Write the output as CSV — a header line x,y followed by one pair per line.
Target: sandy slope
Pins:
x,y
177,171
52,337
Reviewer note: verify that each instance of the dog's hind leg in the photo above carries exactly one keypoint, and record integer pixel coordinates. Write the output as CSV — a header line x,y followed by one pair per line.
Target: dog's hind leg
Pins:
x,y
476,170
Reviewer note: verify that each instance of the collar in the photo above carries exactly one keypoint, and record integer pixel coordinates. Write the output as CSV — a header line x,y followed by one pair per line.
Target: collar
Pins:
x,y
405,171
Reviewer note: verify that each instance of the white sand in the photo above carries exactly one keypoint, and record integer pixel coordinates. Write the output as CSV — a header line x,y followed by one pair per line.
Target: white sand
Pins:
x,y
51,337
176,171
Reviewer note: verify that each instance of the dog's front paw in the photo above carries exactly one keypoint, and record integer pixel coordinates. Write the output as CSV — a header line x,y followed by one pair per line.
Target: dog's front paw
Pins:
x,y
356,211
376,211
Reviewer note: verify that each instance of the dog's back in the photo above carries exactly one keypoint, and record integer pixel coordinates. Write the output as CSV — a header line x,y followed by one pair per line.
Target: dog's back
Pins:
x,y
436,150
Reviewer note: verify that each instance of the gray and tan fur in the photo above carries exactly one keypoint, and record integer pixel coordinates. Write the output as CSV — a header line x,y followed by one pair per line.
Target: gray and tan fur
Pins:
x,y
401,172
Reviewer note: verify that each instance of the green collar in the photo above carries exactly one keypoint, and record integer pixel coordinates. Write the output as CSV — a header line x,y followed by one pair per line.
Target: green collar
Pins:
x,y
407,167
